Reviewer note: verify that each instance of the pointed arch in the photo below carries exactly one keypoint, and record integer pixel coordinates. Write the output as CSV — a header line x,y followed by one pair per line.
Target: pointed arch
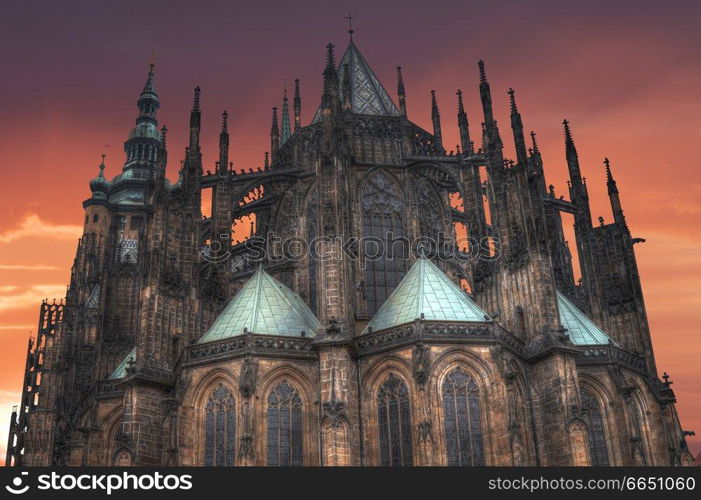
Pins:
x,y
285,426
220,427
382,210
394,422
462,419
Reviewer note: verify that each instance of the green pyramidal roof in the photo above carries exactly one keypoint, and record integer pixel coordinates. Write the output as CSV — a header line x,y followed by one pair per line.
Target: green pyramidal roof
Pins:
x,y
121,370
425,289
264,306
580,328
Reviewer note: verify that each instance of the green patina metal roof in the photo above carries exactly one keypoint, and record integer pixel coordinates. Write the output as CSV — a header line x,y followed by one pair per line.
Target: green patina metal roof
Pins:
x,y
121,370
425,289
580,328
264,306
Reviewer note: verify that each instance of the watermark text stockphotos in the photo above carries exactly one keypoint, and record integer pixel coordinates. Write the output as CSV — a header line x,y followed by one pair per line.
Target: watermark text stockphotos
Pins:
x,y
107,483
275,248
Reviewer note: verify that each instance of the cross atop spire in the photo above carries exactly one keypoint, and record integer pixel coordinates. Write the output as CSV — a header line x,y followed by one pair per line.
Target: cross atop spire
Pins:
x,y
350,26
152,60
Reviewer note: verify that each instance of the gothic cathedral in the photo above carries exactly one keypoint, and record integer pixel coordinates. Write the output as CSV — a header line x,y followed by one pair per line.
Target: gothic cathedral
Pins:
x,y
393,303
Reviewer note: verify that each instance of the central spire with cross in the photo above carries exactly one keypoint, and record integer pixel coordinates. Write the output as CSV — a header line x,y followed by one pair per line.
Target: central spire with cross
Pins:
x,y
350,26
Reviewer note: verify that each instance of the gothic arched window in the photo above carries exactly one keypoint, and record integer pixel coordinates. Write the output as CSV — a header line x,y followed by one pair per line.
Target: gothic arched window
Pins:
x,y
382,207
597,430
220,427
462,419
284,426
394,421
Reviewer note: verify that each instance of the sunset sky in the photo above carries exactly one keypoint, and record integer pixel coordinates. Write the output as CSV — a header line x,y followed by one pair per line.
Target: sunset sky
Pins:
x,y
627,74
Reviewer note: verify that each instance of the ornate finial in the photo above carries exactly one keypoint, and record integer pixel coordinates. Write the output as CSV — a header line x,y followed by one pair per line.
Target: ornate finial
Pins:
x,y
196,100
266,161
609,177
461,107
296,87
164,135
512,101
350,26
102,163
330,58
434,104
152,60
483,74
535,144
225,122
275,127
568,133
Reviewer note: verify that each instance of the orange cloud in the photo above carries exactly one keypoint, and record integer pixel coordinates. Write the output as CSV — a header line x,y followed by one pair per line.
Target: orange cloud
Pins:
x,y
33,226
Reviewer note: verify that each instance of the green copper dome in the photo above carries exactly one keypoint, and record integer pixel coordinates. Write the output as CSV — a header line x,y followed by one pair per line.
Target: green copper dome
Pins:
x,y
580,328
425,290
264,306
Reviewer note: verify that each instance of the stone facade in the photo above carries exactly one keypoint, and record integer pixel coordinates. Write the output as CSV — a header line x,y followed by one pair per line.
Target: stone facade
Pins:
x,y
152,274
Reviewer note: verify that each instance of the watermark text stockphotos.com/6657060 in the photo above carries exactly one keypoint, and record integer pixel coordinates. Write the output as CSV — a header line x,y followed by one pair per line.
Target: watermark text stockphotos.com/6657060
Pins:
x,y
275,248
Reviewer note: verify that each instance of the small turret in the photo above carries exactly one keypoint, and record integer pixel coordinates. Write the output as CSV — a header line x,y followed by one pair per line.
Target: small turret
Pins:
x,y
517,129
614,197
223,144
100,186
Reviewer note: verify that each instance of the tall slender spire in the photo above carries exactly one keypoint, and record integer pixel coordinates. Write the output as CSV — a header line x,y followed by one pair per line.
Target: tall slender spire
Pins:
x,y
401,92
517,129
493,144
285,130
436,119
571,155
274,134
224,144
329,100
297,106
142,144
195,120
463,127
614,197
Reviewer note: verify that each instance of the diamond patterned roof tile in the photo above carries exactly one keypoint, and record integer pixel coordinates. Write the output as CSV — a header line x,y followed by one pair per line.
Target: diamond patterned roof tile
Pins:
x,y
369,96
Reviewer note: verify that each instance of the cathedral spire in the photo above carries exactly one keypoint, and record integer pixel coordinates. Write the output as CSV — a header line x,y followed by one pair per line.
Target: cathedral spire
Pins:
x,y
329,100
224,144
274,134
517,129
436,119
571,155
401,93
463,127
285,129
195,120
297,106
143,142
493,140
613,194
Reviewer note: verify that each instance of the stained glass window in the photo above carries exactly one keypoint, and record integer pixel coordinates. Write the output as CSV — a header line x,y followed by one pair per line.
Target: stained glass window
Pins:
x,y
597,430
284,426
462,419
382,209
220,428
394,421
